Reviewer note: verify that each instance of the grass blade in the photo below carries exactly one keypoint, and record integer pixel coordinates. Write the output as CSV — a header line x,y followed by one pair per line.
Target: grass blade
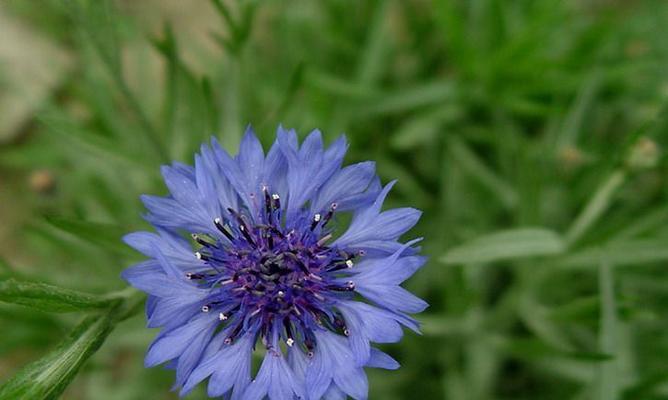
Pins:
x,y
608,377
505,245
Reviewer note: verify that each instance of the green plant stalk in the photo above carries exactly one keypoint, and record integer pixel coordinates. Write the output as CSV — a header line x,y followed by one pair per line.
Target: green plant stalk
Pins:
x,y
51,298
598,204
608,379
48,377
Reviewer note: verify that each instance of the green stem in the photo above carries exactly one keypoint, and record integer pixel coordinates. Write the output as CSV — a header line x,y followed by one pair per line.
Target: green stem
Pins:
x,y
598,204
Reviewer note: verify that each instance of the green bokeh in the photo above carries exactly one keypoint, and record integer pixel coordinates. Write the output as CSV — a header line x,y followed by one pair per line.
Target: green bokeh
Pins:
x,y
542,119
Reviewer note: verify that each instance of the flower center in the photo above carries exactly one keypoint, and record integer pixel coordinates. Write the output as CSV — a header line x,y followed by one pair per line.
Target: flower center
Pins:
x,y
274,279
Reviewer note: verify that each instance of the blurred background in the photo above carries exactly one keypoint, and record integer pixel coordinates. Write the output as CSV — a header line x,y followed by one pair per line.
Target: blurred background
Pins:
x,y
531,133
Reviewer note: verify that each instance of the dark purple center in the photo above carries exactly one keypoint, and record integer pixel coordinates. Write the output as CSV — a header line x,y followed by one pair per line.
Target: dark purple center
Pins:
x,y
276,280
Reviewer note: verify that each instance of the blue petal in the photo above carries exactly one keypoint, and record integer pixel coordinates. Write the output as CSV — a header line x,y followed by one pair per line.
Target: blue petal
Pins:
x,y
309,168
345,187
167,212
391,270
167,243
381,360
171,344
228,366
148,277
334,393
184,190
389,225
251,160
299,364
394,298
363,227
368,324
276,168
275,380
223,195
354,383
151,302
230,168
333,360
170,312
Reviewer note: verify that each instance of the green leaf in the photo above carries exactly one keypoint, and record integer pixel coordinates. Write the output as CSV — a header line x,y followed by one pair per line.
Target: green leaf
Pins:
x,y
49,298
506,245
480,171
408,99
107,236
620,253
48,377
608,385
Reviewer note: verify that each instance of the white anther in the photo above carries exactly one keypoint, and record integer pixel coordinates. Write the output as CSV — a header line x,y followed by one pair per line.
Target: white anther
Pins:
x,y
281,293
290,342
222,317
206,309
350,263
198,255
275,196
217,221
317,218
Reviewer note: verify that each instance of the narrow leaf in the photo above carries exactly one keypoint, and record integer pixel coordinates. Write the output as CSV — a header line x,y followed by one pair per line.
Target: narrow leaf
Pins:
x,y
608,372
505,245
105,235
620,253
48,377
49,298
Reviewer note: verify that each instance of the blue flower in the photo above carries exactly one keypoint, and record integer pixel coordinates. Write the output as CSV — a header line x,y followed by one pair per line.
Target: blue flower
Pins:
x,y
246,256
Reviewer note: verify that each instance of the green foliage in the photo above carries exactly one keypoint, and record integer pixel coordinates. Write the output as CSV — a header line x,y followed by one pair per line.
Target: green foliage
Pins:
x,y
514,244
48,377
532,133
49,298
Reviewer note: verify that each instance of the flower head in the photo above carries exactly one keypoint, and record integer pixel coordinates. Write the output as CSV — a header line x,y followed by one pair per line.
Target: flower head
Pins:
x,y
247,257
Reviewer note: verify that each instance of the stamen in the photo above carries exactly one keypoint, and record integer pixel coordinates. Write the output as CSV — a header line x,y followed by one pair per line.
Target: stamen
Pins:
x,y
277,201
201,240
324,240
192,275
223,229
268,206
288,331
330,213
350,263
206,308
222,317
316,219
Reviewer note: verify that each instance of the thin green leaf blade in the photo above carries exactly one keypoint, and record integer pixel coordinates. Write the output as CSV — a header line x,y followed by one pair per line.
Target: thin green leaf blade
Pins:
x,y
505,245
107,236
47,378
49,298
620,253
608,374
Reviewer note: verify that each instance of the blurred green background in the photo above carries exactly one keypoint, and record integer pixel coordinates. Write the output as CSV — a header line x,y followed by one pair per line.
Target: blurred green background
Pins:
x,y
531,133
